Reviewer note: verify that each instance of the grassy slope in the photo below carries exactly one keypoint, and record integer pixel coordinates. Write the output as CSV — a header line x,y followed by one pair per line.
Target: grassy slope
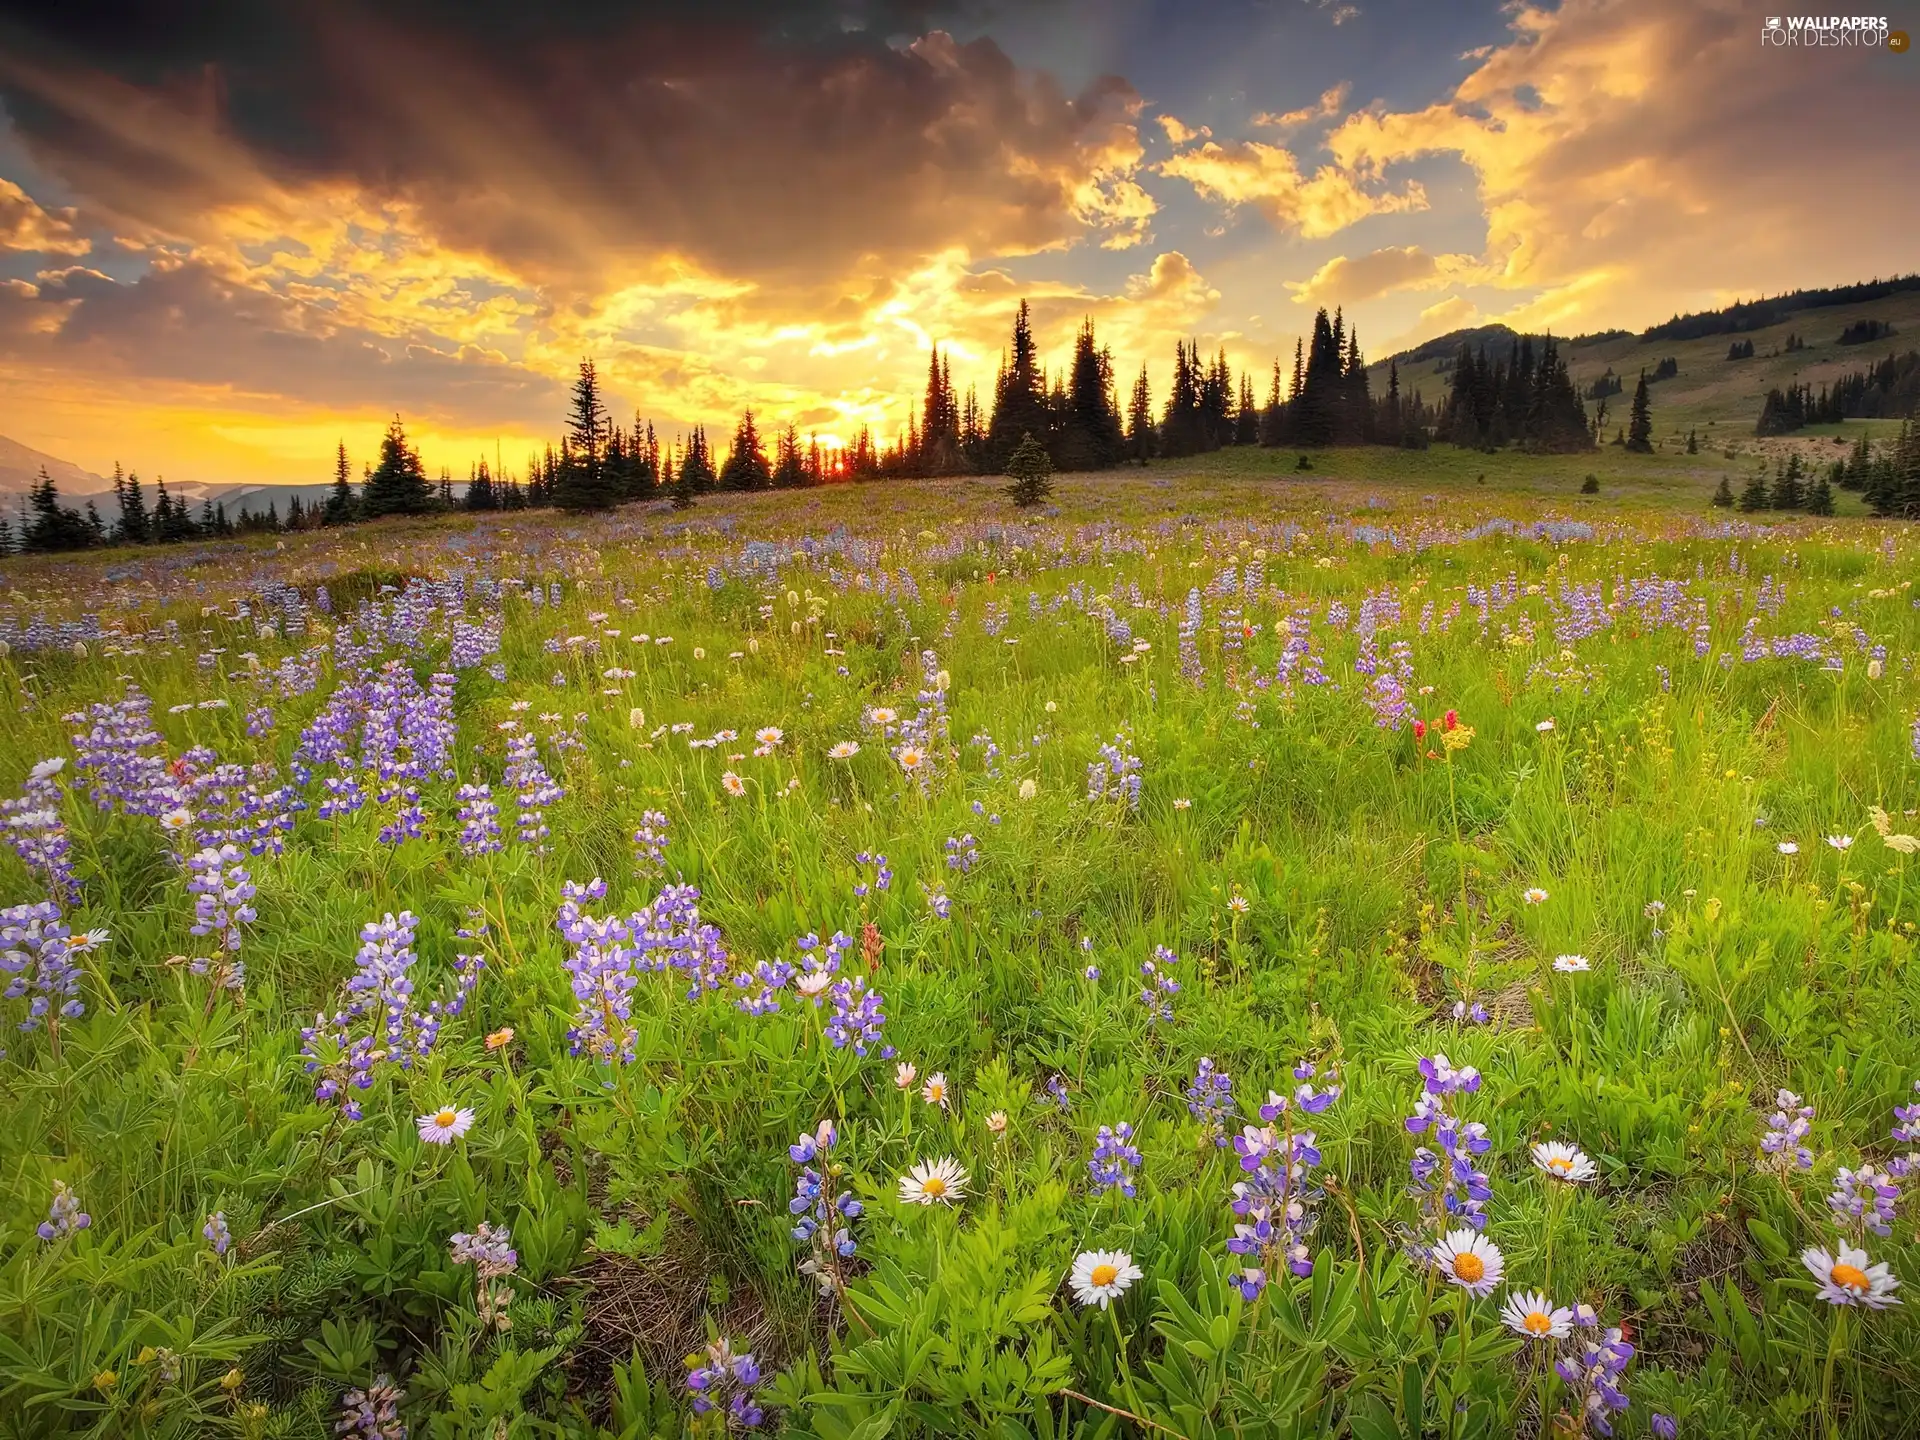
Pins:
x,y
1721,398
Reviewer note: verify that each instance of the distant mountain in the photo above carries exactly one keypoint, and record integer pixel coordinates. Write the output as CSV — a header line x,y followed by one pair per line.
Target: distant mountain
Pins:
x,y
1496,338
1759,314
20,466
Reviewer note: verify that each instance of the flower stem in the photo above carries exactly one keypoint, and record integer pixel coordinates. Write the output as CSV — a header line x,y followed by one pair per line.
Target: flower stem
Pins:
x,y
1126,1374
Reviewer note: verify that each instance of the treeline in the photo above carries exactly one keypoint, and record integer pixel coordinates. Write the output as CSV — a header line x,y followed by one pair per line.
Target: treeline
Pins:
x,y
1524,399
1758,314
45,525
1889,389
1887,479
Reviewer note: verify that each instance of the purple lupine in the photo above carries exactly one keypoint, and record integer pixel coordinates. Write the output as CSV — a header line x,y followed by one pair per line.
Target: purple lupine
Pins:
x,y
1115,774
1457,1187
216,1232
372,1413
882,874
650,845
1210,1099
821,1219
857,1018
222,890
1158,987
1114,1160
489,1249
381,1024
724,1380
64,1215
479,818
963,853
1592,1369
1787,1130
602,976
1906,1130
37,954
38,833
1862,1200
534,789
1275,1203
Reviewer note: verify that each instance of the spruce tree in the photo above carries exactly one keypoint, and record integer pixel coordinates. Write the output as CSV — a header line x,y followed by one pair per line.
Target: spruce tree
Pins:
x,y
1141,439
789,467
1640,420
583,481
1019,395
52,526
1091,437
1754,497
397,485
342,508
1820,497
746,464
1788,491
1031,470
1273,418
1723,497
1182,430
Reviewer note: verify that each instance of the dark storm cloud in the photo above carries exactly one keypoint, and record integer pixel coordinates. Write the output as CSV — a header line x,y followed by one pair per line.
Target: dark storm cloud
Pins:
x,y
755,138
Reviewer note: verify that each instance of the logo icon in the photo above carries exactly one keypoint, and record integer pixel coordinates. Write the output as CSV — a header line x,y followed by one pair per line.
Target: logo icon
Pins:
x,y
1898,42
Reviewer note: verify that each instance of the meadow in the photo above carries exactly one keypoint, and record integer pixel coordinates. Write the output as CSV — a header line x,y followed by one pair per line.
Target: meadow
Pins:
x,y
1400,951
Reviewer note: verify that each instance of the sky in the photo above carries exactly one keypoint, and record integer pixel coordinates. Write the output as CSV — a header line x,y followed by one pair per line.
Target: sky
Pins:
x,y
231,238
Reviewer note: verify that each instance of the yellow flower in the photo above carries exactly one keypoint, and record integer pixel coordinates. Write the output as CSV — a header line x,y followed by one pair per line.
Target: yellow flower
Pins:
x,y
105,1380
1457,738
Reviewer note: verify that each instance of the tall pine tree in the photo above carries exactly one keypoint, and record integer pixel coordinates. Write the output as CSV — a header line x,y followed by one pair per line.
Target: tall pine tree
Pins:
x,y
397,486
583,480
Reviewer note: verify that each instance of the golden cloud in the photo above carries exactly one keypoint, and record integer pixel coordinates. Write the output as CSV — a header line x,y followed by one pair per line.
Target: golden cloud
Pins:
x,y
1268,178
1330,103
28,227
1343,281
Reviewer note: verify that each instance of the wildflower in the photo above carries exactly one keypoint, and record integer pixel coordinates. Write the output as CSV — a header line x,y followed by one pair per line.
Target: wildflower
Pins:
x,y
1850,1278
1115,1158
997,1122
217,1233
1028,789
904,1075
1571,964
935,1092
1787,847
1545,725
1664,1427
1592,1372
445,1125
769,735
1563,1162
1101,1276
882,716
1471,1261
1183,804
489,1250
845,750
64,1215
911,758
1529,1313
1864,1199
934,1182
1787,1131
1534,896
733,784
721,1378
372,1413
500,1038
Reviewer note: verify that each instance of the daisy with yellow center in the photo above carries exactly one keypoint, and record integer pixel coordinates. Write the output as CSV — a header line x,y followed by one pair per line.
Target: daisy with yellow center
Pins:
x,y
445,1125
881,715
1563,1162
934,1182
911,757
845,750
1529,1313
1471,1261
1099,1277
1535,896
935,1091
733,784
1850,1278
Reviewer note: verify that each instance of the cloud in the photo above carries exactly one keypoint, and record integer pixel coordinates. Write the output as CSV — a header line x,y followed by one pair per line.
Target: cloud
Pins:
x,y
595,152
1331,102
1178,131
27,227
1268,178
1453,313
1632,161
1342,281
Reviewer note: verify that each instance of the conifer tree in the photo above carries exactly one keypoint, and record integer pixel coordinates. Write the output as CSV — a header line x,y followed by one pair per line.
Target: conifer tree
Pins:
x,y
1788,491
1640,420
1273,418
51,526
583,481
342,507
1091,436
746,464
1723,497
696,467
1142,441
397,484
1754,497
1820,497
1019,395
1031,471
789,468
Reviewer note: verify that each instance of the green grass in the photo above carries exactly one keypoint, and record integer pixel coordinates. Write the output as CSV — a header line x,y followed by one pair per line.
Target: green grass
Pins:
x,y
1329,889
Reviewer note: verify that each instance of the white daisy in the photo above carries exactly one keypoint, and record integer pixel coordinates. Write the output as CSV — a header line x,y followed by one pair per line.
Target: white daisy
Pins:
x,y
1571,964
1850,1279
933,1182
903,1074
911,757
1529,1313
935,1091
814,983
769,735
1099,1276
1787,847
1544,726
46,769
445,1125
1564,1162
1840,842
845,750
733,784
1534,896
1471,1261
881,715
